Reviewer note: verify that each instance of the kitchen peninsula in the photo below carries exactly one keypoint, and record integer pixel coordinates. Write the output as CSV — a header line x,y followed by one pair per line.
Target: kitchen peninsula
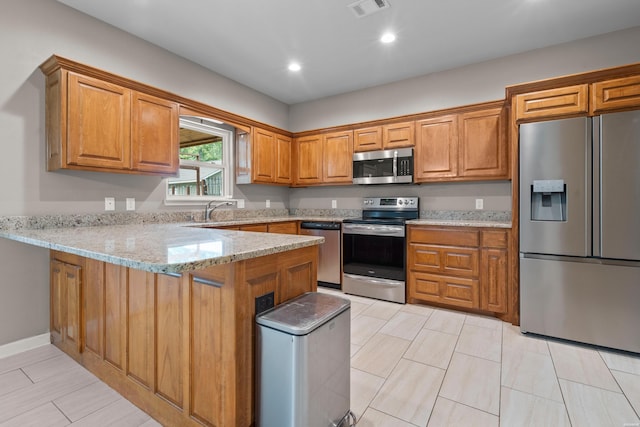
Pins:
x,y
164,313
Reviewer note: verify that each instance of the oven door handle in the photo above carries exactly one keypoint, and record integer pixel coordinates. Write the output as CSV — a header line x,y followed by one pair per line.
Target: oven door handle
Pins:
x,y
374,280
373,231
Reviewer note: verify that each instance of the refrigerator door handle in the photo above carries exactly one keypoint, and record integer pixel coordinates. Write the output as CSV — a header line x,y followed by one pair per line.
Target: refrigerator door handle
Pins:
x,y
596,186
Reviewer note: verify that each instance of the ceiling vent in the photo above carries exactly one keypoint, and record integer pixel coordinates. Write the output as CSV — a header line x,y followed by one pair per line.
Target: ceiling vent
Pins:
x,y
366,7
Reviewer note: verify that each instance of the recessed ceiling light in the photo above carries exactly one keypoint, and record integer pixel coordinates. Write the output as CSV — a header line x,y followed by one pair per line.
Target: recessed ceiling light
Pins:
x,y
388,38
294,66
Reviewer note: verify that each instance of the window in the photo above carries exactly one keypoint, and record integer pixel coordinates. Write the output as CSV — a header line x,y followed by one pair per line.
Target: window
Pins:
x,y
206,161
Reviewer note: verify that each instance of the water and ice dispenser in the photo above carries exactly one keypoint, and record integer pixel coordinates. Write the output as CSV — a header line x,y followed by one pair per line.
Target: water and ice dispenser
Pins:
x,y
549,200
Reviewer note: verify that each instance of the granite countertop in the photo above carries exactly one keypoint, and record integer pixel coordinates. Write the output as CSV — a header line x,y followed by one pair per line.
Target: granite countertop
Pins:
x,y
263,220
161,248
461,223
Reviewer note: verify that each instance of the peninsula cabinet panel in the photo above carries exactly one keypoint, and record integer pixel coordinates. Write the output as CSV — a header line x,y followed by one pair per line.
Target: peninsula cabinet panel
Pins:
x,y
617,94
94,290
483,144
436,152
308,160
337,157
99,124
141,328
66,294
552,103
115,315
155,140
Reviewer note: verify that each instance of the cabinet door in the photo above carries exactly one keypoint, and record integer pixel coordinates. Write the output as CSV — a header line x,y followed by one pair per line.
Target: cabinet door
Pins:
x,y
99,118
493,281
262,228
263,162
367,139
308,160
338,157
289,227
283,159
550,103
398,135
155,135
66,294
436,153
455,291
483,144
615,94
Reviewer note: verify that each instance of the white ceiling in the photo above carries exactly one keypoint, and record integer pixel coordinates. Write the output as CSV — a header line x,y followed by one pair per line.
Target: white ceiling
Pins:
x,y
252,41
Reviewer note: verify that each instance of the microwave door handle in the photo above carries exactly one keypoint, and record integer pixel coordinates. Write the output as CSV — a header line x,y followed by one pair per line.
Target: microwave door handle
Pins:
x,y
395,163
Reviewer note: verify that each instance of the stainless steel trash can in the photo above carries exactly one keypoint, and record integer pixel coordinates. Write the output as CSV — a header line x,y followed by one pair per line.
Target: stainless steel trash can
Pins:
x,y
303,366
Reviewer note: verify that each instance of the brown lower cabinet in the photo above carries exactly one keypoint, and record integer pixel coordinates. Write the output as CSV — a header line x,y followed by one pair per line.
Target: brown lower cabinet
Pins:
x,y
459,267
180,347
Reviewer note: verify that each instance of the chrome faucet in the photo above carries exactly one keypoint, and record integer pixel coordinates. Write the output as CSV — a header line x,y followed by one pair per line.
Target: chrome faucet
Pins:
x,y
208,210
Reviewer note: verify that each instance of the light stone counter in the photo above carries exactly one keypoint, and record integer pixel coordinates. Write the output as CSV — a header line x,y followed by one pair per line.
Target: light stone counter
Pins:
x,y
161,248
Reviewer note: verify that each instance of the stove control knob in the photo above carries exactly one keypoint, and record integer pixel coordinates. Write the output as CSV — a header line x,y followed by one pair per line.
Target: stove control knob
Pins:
x,y
413,202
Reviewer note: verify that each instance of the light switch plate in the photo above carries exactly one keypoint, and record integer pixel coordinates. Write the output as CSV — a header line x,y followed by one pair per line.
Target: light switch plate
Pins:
x,y
131,204
240,204
268,203
334,204
109,204
479,203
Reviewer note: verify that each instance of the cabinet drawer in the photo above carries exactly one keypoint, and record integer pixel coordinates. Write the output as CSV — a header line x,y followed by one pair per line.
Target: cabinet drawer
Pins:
x,y
449,237
290,227
442,289
565,101
495,239
615,94
443,259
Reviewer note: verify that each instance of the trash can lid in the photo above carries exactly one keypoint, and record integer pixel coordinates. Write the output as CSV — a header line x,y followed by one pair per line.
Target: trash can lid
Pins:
x,y
303,314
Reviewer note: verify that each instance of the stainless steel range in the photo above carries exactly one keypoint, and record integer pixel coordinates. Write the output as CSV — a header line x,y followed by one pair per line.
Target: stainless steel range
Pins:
x,y
374,248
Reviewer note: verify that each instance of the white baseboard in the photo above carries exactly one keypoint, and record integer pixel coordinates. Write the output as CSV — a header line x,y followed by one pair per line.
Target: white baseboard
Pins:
x,y
19,346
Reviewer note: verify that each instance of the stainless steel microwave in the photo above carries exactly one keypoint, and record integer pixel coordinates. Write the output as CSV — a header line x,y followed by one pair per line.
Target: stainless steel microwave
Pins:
x,y
383,166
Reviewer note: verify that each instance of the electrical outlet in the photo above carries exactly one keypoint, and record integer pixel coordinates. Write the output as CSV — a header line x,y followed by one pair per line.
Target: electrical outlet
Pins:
x,y
334,204
109,204
479,203
268,203
131,204
240,204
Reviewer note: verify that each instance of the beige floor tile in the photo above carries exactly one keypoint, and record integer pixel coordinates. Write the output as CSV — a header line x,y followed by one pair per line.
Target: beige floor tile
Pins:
x,y
120,413
621,362
480,342
410,392
80,403
382,310
423,310
364,327
45,415
28,398
592,406
445,321
447,413
151,423
432,348
364,387
380,355
404,325
13,380
28,357
522,409
484,321
355,298
373,418
473,381
355,348
630,385
49,367
357,308
512,338
582,365
531,373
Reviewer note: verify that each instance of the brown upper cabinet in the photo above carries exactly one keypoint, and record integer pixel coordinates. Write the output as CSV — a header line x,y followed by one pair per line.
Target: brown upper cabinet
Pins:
x,y
96,124
270,153
396,135
617,94
464,146
324,159
551,103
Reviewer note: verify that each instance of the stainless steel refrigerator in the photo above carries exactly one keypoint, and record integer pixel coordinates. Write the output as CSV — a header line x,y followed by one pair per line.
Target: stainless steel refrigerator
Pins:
x,y
580,229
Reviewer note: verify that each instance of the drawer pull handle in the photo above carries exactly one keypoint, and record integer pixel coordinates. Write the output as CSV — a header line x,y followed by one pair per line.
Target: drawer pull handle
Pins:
x,y
207,282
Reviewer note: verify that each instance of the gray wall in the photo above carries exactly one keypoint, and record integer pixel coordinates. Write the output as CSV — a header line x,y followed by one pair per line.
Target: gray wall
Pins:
x,y
31,31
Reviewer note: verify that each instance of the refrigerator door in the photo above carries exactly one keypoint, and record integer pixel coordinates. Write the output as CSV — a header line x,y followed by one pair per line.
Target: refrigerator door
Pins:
x,y
552,154
620,185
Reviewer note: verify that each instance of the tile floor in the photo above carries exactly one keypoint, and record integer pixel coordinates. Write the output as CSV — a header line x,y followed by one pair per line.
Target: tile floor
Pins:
x,y
411,366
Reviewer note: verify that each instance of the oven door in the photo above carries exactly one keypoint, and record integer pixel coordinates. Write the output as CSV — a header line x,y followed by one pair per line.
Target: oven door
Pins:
x,y
373,261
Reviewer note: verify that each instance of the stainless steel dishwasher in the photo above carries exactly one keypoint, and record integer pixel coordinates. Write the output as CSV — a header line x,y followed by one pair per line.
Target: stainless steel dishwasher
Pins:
x,y
329,257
